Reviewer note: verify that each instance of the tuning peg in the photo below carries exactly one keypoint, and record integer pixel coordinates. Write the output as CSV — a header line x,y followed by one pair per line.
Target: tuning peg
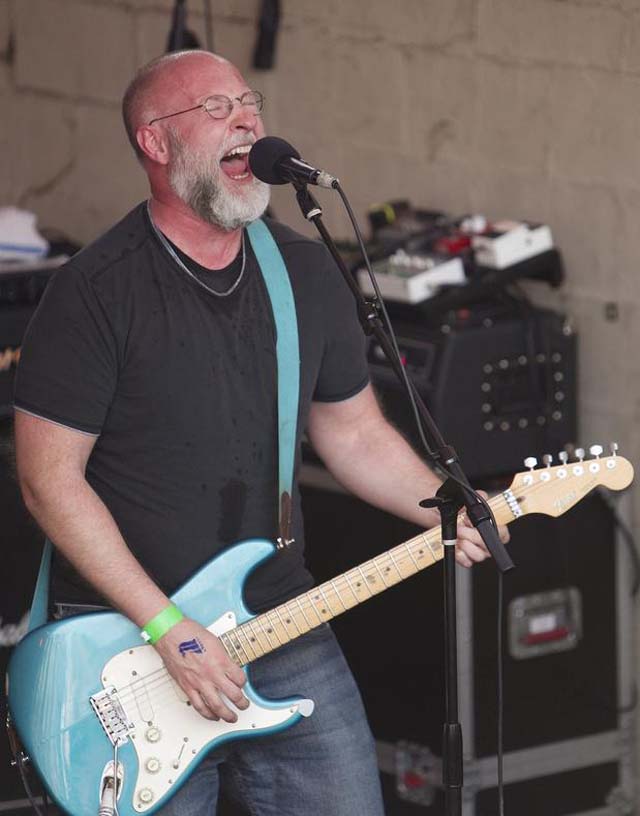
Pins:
x,y
596,450
613,447
547,459
563,456
530,462
580,453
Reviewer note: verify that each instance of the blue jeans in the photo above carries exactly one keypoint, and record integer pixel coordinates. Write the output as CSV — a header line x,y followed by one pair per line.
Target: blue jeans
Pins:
x,y
325,765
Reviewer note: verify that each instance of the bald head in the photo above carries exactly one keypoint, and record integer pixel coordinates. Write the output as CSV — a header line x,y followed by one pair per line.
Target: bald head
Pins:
x,y
162,85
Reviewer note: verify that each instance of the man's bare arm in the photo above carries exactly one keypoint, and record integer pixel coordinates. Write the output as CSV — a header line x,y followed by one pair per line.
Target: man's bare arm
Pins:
x,y
51,462
373,461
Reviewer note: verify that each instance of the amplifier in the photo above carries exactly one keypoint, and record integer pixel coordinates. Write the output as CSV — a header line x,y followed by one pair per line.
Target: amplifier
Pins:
x,y
500,387
20,291
21,550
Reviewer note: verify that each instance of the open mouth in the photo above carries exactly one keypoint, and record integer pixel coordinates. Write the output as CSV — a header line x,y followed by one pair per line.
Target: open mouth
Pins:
x,y
235,163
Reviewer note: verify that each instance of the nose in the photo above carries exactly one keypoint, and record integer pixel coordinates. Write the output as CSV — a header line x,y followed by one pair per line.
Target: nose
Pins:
x,y
242,117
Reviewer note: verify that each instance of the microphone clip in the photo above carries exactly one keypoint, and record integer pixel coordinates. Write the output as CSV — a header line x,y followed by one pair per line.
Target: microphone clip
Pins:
x,y
308,203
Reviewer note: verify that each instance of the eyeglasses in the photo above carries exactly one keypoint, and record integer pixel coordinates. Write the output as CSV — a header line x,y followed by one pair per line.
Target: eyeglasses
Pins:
x,y
220,107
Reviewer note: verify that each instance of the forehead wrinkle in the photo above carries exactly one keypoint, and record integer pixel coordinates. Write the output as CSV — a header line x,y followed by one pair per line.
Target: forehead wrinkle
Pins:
x,y
195,84
172,86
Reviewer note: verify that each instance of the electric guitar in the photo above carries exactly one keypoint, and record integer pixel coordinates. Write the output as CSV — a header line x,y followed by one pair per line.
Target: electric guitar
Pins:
x,y
99,715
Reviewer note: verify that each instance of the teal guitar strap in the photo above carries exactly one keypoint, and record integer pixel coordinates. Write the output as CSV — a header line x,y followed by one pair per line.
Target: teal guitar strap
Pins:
x,y
283,306
276,278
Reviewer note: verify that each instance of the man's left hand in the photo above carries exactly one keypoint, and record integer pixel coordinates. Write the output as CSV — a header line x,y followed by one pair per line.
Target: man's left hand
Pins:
x,y
470,548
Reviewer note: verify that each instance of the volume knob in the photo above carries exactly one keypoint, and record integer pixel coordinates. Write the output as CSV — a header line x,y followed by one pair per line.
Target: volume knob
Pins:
x,y
153,765
145,795
153,734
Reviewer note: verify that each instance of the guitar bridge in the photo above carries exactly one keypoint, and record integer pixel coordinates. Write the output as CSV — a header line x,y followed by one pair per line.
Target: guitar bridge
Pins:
x,y
110,713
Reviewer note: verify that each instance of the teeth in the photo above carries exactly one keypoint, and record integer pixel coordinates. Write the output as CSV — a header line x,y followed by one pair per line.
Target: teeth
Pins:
x,y
241,150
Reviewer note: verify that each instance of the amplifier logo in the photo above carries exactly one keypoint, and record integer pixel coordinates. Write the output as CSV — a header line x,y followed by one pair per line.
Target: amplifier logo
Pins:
x,y
9,357
12,633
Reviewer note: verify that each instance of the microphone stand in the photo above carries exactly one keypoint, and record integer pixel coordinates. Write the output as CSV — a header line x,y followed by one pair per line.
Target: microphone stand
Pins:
x,y
452,495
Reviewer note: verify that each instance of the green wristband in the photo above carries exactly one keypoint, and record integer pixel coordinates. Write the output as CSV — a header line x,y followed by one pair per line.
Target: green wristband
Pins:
x,y
159,626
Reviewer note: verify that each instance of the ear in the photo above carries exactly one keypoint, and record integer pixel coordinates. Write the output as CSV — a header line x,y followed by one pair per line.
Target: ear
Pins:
x,y
153,143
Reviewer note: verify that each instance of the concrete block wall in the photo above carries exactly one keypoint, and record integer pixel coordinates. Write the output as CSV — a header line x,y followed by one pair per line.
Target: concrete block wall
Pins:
x,y
520,108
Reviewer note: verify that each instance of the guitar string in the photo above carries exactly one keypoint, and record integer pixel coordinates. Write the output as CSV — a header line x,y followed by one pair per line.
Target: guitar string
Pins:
x,y
339,584
143,685
403,557
523,491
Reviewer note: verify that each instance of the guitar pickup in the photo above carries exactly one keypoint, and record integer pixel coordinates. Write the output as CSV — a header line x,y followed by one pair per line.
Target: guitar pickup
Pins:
x,y
112,717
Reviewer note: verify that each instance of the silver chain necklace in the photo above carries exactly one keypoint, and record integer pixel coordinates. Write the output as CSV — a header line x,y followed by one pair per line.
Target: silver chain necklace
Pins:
x,y
165,243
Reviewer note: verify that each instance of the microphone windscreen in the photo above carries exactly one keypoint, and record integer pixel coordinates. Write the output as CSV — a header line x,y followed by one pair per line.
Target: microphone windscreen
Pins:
x,y
265,155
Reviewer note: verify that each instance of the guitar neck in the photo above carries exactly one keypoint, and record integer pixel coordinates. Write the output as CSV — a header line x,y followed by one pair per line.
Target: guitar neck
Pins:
x,y
296,617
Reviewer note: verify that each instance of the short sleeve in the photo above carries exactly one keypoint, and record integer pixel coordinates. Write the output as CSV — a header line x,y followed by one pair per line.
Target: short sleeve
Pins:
x,y
68,364
343,371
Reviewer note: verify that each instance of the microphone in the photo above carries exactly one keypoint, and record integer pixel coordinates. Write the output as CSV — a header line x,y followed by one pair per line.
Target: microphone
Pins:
x,y
275,161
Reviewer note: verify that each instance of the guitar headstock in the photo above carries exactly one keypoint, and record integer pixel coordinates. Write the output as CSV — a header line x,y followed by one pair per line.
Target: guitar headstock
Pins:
x,y
553,490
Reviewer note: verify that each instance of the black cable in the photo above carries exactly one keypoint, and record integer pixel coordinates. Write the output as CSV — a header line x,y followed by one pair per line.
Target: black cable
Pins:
x,y
405,379
627,537
180,37
432,457
500,751
208,24
264,53
27,786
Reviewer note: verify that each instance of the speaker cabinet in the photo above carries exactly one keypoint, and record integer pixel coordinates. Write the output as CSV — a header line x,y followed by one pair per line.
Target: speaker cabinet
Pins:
x,y
567,644
21,549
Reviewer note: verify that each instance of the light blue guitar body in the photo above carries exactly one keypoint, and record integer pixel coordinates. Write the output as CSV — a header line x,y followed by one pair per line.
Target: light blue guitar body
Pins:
x,y
57,668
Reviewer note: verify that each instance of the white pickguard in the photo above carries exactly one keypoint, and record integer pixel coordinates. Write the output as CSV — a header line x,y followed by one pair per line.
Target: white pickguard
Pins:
x,y
169,734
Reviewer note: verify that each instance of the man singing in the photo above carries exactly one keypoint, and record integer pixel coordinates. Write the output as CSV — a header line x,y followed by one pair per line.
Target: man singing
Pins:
x,y
146,434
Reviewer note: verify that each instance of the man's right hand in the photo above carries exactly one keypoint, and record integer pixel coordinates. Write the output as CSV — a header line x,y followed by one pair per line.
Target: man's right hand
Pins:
x,y
198,662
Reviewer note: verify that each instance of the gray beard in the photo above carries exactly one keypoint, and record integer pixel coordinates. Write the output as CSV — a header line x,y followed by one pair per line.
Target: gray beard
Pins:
x,y
196,180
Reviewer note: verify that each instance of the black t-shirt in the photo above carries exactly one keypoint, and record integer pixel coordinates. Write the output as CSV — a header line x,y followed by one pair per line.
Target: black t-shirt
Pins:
x,y
179,386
